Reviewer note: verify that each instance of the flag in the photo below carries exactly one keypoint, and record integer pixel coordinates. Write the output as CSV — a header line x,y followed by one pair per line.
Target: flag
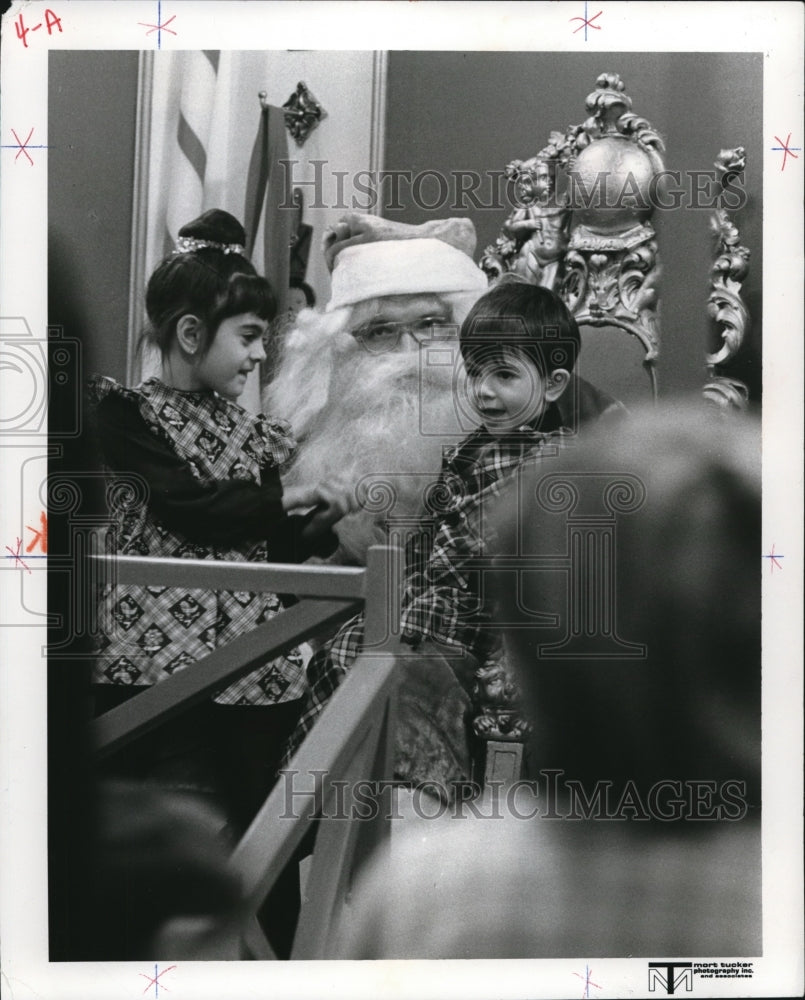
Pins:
x,y
268,185
194,133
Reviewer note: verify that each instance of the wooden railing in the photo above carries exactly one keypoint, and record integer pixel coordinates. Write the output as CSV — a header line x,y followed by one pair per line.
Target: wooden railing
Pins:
x,y
352,740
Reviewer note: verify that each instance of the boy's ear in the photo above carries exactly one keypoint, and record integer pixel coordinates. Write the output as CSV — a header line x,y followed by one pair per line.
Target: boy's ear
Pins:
x,y
188,333
557,383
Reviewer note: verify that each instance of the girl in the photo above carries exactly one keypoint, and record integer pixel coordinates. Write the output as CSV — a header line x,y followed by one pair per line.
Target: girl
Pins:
x,y
202,481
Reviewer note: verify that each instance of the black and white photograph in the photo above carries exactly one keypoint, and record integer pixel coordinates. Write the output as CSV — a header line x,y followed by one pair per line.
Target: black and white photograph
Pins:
x,y
402,499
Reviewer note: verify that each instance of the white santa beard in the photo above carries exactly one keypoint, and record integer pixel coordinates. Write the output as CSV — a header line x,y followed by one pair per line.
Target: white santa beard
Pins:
x,y
382,431
301,382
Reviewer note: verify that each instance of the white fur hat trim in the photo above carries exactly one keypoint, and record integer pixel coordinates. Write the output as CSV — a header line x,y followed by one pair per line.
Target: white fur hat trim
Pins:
x,y
402,267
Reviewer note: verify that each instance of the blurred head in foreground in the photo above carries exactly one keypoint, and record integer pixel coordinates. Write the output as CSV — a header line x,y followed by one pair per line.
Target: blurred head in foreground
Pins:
x,y
662,527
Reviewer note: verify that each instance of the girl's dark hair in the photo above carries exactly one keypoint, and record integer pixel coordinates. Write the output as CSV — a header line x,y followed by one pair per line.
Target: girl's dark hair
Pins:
x,y
518,316
212,283
310,295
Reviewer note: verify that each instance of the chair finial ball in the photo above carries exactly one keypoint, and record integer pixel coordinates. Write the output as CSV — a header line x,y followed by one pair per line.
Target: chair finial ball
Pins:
x,y
610,185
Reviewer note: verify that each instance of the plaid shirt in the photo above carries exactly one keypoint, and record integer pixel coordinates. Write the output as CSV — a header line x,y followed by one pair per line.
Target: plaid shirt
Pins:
x,y
442,597
147,633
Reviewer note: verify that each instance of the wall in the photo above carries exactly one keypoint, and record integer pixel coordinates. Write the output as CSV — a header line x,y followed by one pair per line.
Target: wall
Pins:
x,y
91,114
476,111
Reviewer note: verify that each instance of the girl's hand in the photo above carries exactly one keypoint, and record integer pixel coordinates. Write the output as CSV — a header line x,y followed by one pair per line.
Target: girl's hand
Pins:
x,y
324,504
302,499
299,499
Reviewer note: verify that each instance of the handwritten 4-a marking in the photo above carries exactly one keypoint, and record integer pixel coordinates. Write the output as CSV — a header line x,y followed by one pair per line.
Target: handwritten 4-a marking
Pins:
x,y
51,21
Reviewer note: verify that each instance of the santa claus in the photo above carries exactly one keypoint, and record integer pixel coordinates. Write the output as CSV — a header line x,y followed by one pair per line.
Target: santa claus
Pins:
x,y
369,385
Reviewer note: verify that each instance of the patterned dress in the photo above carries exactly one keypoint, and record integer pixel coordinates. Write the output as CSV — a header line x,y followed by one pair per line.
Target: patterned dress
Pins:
x,y
148,633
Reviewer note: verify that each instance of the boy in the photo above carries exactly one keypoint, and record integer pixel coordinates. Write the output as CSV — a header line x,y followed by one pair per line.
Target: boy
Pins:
x,y
519,344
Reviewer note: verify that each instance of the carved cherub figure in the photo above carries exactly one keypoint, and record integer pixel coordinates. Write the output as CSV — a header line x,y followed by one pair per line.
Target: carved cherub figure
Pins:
x,y
498,698
539,225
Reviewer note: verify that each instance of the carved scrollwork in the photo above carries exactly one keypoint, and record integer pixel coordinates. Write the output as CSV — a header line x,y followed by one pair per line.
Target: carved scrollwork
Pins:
x,y
725,304
730,164
644,134
496,256
610,110
603,284
726,393
636,293
606,104
574,285
727,308
616,286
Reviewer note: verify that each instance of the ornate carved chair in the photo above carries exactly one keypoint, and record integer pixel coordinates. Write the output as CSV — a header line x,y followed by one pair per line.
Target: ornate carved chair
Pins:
x,y
582,226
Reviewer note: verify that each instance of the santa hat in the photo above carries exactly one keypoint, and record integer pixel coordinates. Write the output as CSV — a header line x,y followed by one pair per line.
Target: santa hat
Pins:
x,y
372,258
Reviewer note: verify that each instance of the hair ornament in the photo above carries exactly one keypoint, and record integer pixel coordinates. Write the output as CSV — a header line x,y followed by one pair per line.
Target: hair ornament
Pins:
x,y
189,244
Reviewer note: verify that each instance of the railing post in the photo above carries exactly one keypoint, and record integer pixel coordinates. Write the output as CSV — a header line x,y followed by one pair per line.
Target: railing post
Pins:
x,y
384,579
342,849
383,585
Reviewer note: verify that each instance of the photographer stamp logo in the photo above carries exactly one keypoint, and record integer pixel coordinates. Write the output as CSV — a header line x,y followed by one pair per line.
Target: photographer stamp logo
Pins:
x,y
674,977
671,976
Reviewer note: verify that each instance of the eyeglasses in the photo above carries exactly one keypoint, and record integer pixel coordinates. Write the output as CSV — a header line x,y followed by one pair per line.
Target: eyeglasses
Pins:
x,y
381,336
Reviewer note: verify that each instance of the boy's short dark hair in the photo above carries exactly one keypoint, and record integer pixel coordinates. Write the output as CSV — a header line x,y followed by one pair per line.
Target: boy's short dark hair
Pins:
x,y
516,315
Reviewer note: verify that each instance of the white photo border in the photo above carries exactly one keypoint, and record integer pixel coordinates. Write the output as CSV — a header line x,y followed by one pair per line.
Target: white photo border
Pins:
x,y
774,28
